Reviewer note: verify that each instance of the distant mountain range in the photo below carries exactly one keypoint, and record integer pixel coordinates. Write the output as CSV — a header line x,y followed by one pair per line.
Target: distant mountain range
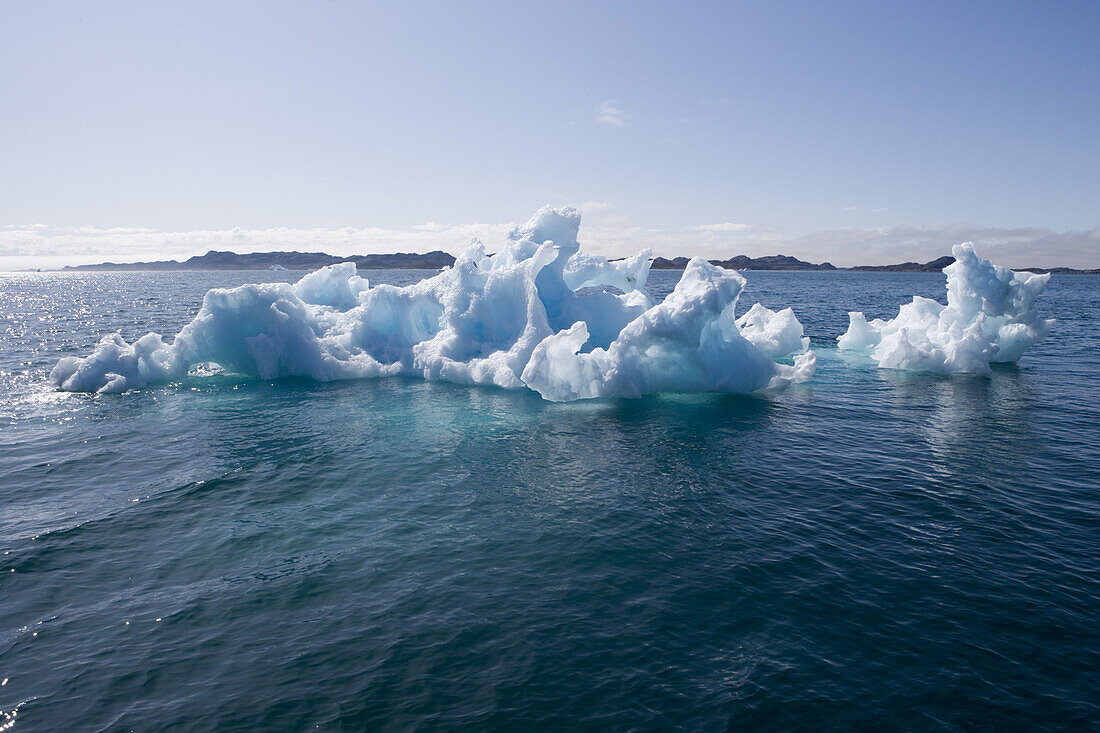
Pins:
x,y
785,262
744,262
214,260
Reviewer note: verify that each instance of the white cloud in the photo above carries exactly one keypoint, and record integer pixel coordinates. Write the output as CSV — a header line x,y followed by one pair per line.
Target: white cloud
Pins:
x,y
878,210
729,226
430,226
23,247
610,113
602,231
1021,247
594,207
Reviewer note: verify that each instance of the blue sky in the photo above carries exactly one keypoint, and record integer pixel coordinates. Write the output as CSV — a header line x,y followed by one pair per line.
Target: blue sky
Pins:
x,y
850,131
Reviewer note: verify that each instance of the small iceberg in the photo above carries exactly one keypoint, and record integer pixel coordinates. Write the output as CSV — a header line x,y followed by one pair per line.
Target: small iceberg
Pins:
x,y
277,268
990,317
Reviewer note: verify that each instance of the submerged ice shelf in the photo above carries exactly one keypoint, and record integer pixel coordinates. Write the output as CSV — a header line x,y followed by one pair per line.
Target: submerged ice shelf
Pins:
x,y
540,314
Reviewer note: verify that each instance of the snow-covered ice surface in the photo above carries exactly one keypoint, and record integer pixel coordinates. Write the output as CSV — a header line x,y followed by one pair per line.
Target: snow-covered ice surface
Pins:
x,y
539,314
989,317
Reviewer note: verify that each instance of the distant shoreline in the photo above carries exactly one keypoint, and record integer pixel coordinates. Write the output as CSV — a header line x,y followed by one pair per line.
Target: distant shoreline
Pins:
x,y
785,263
214,261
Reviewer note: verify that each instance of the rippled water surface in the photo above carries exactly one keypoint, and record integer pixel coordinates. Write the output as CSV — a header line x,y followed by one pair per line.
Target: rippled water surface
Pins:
x,y
870,549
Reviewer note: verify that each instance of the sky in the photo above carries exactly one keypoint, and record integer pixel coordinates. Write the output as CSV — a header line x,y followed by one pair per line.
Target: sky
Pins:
x,y
852,132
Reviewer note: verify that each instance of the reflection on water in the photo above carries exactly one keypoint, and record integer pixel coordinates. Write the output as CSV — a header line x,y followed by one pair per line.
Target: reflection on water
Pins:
x,y
968,420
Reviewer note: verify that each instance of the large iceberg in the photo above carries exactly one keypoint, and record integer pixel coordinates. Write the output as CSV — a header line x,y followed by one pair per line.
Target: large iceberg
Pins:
x,y
538,314
989,317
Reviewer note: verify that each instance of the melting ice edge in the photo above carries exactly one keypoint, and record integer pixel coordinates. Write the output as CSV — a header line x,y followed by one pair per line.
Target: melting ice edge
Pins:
x,y
543,315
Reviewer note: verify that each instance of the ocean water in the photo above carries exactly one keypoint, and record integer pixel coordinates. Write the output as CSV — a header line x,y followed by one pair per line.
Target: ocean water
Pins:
x,y
869,549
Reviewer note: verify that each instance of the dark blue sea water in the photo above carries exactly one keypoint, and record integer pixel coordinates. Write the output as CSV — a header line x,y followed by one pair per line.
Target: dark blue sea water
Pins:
x,y
871,549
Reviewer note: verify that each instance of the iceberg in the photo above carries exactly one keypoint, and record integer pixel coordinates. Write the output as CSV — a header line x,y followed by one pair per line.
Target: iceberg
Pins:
x,y
990,317
774,333
688,343
539,314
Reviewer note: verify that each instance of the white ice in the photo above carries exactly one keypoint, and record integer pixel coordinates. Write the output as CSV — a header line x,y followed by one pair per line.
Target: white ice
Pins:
x,y
538,314
775,334
688,343
989,317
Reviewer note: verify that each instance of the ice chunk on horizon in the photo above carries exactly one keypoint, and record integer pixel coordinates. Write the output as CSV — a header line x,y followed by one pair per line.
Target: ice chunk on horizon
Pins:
x,y
989,317
514,319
